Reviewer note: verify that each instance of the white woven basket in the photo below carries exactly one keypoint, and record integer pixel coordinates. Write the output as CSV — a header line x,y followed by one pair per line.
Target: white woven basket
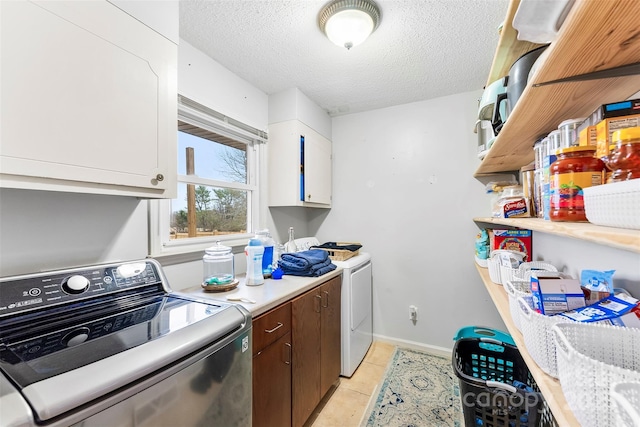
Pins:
x,y
493,264
518,289
498,273
538,337
520,286
591,358
615,205
626,397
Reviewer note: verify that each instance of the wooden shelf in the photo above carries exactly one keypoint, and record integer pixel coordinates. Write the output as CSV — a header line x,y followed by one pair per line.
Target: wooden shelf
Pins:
x,y
549,387
509,47
596,35
619,238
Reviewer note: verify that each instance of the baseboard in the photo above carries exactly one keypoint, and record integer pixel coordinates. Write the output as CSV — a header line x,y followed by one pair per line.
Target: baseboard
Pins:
x,y
438,351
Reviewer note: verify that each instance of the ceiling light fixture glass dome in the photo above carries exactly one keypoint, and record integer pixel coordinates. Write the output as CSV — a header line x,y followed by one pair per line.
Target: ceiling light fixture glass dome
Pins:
x,y
348,23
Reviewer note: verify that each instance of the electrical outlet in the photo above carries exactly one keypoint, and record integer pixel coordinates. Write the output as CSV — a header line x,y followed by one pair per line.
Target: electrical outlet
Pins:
x,y
413,313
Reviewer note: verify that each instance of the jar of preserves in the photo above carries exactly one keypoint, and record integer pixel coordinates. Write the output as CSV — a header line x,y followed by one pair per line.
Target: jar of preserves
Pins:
x,y
575,169
218,265
624,158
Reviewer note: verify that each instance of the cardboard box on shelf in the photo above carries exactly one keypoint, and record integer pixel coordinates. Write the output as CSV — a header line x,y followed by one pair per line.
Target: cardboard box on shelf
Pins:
x,y
606,127
554,293
512,240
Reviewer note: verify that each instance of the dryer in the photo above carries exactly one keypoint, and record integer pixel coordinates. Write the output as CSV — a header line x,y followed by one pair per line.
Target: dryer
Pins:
x,y
356,316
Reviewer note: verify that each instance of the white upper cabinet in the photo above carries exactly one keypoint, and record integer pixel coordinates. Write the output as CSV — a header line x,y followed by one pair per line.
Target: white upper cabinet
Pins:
x,y
88,100
299,166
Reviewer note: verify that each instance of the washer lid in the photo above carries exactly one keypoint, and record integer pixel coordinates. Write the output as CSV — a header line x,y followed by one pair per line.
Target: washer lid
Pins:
x,y
64,368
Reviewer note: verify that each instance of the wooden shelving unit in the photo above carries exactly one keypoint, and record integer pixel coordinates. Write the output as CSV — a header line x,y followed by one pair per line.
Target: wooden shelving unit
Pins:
x,y
549,387
619,238
596,35
509,47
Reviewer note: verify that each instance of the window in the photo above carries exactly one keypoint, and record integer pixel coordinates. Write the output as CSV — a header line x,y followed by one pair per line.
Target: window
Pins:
x,y
218,171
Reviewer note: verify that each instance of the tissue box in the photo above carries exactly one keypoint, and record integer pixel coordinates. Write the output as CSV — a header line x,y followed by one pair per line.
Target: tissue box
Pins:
x,y
551,293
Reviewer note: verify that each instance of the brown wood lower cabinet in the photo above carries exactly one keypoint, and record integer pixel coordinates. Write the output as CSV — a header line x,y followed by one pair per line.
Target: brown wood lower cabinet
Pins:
x,y
272,356
296,356
315,318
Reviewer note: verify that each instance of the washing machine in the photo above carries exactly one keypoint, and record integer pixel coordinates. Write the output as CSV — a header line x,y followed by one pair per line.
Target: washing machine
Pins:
x,y
356,317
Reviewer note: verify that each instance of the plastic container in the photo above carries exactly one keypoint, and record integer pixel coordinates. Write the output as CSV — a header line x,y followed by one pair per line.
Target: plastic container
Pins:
x,y
624,159
482,332
267,258
626,397
254,252
218,265
574,170
591,359
487,370
538,336
519,286
512,203
614,205
569,132
555,142
496,269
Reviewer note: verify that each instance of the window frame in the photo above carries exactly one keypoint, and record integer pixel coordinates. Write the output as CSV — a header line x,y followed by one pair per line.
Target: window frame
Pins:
x,y
160,210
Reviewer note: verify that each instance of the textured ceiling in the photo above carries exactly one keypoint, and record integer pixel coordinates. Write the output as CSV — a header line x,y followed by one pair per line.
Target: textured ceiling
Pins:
x,y
422,49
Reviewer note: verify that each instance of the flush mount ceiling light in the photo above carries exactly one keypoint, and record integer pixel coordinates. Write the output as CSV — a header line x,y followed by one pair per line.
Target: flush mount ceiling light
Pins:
x,y
348,23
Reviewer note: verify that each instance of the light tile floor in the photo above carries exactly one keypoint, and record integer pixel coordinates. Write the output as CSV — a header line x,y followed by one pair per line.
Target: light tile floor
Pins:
x,y
345,405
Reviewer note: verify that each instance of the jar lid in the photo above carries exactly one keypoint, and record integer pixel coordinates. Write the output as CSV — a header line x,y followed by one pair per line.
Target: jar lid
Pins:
x,y
577,148
571,122
627,135
218,249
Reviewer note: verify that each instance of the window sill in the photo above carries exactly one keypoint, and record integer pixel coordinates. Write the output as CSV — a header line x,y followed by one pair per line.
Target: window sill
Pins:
x,y
178,254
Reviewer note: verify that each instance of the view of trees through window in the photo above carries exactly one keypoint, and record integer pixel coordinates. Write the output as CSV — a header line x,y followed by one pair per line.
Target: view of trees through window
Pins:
x,y
209,201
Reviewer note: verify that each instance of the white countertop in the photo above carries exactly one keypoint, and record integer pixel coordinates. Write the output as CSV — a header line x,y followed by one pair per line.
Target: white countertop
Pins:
x,y
267,296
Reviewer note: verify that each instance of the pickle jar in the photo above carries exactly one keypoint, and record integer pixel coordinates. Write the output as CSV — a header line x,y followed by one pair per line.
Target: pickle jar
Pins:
x,y
575,169
624,158
218,265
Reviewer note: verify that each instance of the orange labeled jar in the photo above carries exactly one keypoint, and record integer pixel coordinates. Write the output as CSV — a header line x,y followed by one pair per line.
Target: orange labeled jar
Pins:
x,y
575,169
624,158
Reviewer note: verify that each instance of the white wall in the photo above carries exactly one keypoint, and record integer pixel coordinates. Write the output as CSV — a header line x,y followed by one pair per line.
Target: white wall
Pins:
x,y
42,230
403,187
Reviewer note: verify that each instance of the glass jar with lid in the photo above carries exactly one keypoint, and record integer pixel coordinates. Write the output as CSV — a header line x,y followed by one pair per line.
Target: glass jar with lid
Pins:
x,y
218,265
624,157
575,169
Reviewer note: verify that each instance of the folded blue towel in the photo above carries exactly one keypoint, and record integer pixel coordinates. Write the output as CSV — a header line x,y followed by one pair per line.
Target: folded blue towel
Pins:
x,y
309,273
316,267
302,261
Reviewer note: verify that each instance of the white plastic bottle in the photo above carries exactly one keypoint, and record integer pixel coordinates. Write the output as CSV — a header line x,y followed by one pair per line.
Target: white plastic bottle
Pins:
x,y
254,252
267,257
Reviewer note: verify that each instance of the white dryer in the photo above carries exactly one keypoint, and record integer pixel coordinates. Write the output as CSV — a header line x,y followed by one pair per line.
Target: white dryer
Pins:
x,y
356,317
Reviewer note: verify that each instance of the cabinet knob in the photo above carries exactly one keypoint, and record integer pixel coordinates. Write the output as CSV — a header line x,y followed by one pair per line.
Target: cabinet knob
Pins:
x,y
160,177
309,196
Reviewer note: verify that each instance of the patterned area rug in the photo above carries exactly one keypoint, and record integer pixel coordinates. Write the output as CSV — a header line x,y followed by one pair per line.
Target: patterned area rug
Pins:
x,y
420,390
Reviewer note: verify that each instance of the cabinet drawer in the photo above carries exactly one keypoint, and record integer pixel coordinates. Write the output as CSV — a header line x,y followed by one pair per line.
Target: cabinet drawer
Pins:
x,y
270,326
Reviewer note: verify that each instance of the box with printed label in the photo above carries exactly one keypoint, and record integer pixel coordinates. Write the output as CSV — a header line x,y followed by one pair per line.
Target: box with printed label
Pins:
x,y
606,128
551,293
612,307
512,240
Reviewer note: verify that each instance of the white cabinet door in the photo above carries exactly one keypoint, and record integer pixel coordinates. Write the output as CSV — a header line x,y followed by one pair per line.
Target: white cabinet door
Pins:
x,y
88,100
299,166
317,168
